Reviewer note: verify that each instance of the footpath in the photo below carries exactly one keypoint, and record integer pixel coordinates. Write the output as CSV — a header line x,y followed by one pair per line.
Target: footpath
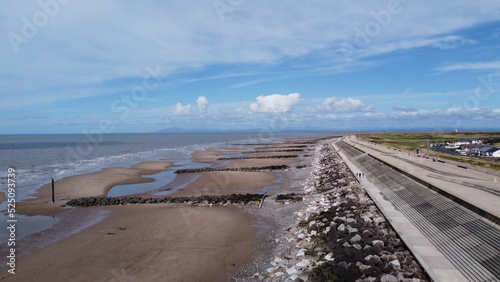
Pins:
x,y
477,188
439,231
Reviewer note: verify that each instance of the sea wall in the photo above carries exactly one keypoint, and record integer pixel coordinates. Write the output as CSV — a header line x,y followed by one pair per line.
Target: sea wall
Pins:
x,y
340,235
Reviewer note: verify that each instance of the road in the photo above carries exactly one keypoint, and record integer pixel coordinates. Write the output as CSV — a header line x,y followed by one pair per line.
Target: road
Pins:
x,y
469,241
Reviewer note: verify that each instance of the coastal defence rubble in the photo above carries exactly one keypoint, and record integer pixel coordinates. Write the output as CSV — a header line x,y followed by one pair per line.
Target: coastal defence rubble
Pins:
x,y
340,235
264,157
327,230
246,169
194,200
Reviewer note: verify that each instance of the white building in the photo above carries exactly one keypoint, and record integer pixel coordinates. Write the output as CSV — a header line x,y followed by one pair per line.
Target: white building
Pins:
x,y
493,152
462,142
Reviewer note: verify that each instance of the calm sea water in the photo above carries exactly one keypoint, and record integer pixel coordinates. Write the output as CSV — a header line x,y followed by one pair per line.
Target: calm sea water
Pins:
x,y
37,158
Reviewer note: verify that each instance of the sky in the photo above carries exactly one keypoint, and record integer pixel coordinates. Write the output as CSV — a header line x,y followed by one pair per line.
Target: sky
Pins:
x,y
88,66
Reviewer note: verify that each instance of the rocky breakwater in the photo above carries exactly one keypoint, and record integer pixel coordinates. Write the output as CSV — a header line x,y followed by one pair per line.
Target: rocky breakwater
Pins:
x,y
341,235
200,200
244,169
264,157
205,200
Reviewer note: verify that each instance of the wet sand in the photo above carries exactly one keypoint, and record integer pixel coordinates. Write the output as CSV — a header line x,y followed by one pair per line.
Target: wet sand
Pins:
x,y
258,162
274,154
227,182
95,184
150,242
213,154
161,242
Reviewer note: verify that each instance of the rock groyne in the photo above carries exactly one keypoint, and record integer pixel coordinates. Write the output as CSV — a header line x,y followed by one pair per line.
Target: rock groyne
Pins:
x,y
245,169
341,235
199,200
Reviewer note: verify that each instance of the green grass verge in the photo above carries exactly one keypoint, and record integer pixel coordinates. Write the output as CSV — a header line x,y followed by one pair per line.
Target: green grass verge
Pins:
x,y
413,140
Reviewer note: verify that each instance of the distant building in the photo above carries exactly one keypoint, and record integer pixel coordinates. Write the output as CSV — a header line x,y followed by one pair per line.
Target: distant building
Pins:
x,y
475,150
451,145
482,151
462,142
496,154
493,152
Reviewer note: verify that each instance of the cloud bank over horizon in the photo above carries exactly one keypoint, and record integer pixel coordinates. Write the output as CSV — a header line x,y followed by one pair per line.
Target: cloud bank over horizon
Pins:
x,y
144,65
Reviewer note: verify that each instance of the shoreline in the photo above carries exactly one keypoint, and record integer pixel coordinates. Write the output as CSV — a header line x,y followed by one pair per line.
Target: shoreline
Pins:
x,y
337,234
87,185
98,183
151,241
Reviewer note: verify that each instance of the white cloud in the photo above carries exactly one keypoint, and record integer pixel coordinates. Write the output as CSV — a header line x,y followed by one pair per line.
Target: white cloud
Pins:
x,y
471,66
202,102
404,109
452,42
275,103
344,105
99,38
181,110
405,43
454,113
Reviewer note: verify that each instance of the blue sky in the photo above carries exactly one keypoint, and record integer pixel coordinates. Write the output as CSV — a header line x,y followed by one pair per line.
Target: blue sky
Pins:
x,y
75,66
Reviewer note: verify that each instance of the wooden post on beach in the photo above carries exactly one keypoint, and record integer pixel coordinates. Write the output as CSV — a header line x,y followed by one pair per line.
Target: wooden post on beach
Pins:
x,y
53,199
262,200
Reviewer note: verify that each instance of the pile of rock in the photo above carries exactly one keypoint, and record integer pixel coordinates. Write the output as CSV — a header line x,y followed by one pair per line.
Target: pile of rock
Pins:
x,y
200,200
360,242
283,147
343,237
289,198
329,172
253,169
264,157
278,151
340,236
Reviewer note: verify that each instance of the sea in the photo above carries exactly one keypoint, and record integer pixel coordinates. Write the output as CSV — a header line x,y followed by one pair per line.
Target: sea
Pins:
x,y
38,158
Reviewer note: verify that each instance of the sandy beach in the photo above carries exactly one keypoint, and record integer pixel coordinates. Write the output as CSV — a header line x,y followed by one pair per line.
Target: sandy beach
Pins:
x,y
150,242
146,243
89,185
213,154
2,197
227,182
258,162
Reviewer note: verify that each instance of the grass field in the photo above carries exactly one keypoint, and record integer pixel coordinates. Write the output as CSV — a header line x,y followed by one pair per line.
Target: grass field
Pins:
x,y
414,140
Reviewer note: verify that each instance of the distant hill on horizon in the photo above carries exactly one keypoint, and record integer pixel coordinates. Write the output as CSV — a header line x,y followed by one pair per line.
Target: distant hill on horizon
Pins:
x,y
364,131
209,130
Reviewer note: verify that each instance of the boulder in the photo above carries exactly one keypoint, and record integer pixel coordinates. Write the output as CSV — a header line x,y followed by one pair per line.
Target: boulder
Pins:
x,y
388,278
352,230
395,264
356,239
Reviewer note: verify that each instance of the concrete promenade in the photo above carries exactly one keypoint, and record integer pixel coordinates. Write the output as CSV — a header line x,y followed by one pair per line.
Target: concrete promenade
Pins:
x,y
452,243
480,189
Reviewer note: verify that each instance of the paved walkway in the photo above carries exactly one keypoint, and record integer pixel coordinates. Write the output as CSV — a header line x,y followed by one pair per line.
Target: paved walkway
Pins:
x,y
450,241
480,189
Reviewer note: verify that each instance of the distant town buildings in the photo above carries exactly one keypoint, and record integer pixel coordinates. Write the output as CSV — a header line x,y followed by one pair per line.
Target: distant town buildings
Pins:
x,y
475,147
493,152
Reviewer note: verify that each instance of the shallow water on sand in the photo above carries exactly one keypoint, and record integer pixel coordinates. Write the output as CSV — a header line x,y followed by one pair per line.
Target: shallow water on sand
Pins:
x,y
37,158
